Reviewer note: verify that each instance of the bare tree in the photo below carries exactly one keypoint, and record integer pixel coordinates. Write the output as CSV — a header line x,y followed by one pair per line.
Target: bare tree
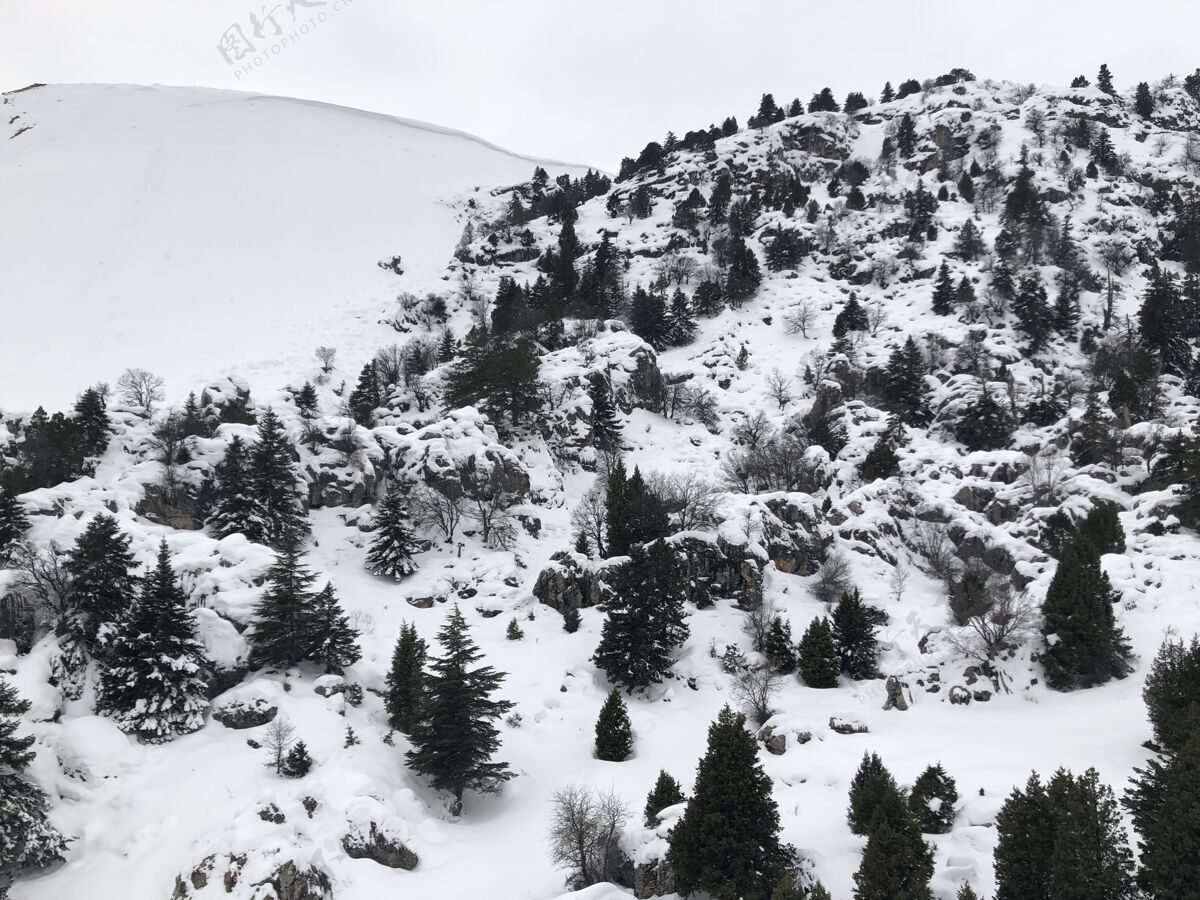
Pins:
x,y
677,266
753,690
1117,256
1191,152
1035,121
932,542
326,356
753,430
756,622
1046,476
797,319
833,578
585,829
434,509
779,387
278,741
169,437
689,498
140,389
590,518
876,316
1006,619
898,581
42,578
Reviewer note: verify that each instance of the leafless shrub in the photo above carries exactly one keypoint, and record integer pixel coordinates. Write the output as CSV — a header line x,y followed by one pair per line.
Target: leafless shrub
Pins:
x,y
1004,620
41,578
689,498
590,518
779,387
932,542
798,319
778,463
756,622
753,430
435,510
169,437
876,316
674,265
278,741
1046,476
490,505
753,690
701,405
326,356
585,829
140,389
833,579
898,581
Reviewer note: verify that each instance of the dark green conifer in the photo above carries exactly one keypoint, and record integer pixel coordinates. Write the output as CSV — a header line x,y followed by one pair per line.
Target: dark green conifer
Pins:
x,y
394,541
614,731
820,661
406,680
666,792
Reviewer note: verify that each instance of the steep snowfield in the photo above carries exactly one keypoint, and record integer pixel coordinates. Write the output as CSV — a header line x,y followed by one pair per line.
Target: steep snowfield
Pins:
x,y
263,220
197,233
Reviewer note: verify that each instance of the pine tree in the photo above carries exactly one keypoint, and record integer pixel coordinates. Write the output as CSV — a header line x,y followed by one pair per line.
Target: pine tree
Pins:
x,y
932,800
1172,693
727,842
306,401
1170,844
905,388
768,113
666,792
854,102
366,396
966,892
406,680
648,317
27,838
943,292
606,427
887,95
854,632
285,621
820,661
152,682
881,461
236,509
921,206
868,789
614,732
896,863
92,415
683,322
644,623
984,425
906,137
455,741
1033,314
297,763
513,632
966,190
13,521
1087,647
743,277
823,102
1094,439
968,245
446,348
1104,80
104,585
394,541
779,647
350,739
337,640
273,483
1162,324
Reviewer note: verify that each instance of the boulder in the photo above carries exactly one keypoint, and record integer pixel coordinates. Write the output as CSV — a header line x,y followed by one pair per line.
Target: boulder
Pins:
x,y
653,879
775,742
249,713
895,694
291,882
842,725
379,847
959,695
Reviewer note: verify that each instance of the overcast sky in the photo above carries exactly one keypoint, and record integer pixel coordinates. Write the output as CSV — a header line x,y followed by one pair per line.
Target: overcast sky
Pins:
x,y
585,81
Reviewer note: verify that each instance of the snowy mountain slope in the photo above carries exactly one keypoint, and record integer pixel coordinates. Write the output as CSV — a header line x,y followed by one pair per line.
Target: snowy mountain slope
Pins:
x,y
145,815
207,233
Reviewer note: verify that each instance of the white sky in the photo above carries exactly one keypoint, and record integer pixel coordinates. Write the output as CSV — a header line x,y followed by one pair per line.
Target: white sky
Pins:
x,y
590,81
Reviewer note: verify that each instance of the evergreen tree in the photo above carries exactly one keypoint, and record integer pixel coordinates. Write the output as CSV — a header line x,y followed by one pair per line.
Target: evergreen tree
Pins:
x,y
1033,314
779,647
1162,323
394,541
743,278
92,415
152,683
614,732
896,863
820,660
984,425
905,388
306,401
648,317
1087,647
920,205
943,292
366,396
337,641
854,633
273,483
727,842
236,509
27,838
297,763
13,522
1094,439
1066,303
966,892
870,785
768,112
1104,80
456,740
500,377
683,323
887,95
644,623
823,102
285,620
510,311
571,619
966,190
103,585
854,102
513,632
932,800
968,245
606,427
1170,830
906,137
666,792
1104,154
406,680
881,461
1172,693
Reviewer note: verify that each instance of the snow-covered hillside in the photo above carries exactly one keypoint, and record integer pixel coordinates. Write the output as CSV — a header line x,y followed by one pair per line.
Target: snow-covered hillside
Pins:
x,y
199,234
208,233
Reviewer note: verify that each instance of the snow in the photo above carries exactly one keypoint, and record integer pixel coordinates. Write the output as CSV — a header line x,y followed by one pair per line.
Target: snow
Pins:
x,y
216,233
